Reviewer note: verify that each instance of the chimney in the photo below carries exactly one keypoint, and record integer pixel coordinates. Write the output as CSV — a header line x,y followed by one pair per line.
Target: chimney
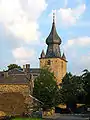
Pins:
x,y
24,68
5,74
27,67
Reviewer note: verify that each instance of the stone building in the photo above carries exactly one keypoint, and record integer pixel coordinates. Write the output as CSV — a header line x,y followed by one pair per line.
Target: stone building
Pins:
x,y
16,87
53,59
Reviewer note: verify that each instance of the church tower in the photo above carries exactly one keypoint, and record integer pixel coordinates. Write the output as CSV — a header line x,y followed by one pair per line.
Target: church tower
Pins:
x,y
53,58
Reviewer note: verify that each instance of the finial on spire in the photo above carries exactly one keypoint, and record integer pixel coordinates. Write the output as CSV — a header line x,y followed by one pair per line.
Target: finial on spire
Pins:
x,y
53,17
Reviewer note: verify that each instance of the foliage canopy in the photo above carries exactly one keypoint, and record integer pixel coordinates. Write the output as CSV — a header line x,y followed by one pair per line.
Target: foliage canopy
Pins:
x,y
12,66
46,89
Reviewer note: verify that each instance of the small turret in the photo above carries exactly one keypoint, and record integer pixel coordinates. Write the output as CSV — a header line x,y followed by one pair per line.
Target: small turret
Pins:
x,y
63,56
42,54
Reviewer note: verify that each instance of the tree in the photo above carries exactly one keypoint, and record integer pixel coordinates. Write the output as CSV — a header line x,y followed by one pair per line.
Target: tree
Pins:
x,y
86,79
67,90
12,66
46,89
71,89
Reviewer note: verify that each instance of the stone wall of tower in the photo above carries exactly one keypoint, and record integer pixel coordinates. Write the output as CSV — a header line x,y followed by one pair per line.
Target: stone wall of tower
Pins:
x,y
57,65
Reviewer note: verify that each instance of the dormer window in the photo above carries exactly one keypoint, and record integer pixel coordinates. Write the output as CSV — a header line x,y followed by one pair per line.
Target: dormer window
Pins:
x,y
48,62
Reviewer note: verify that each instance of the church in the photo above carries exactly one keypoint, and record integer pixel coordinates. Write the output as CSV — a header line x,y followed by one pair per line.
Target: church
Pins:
x,y
53,58
17,85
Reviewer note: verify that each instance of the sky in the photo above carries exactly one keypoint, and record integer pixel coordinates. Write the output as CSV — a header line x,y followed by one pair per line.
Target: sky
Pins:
x,y
25,25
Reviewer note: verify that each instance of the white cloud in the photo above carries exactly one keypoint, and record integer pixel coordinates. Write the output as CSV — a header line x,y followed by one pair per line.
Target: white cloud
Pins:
x,y
69,16
80,63
79,42
85,60
20,17
23,55
78,54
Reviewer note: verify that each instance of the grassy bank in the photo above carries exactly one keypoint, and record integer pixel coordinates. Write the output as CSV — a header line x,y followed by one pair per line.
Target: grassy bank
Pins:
x,y
27,119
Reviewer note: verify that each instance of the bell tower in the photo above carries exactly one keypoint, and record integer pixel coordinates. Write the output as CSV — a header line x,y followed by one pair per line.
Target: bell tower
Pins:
x,y
53,58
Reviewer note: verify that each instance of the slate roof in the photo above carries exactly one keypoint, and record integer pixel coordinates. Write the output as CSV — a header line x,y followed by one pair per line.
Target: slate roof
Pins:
x,y
53,41
17,76
14,79
63,56
42,54
53,37
35,70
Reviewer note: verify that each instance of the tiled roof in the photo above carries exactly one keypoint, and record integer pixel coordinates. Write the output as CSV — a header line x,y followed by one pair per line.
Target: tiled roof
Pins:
x,y
17,76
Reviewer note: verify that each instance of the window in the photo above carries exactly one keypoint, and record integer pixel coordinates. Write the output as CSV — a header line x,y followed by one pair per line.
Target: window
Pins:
x,y
48,62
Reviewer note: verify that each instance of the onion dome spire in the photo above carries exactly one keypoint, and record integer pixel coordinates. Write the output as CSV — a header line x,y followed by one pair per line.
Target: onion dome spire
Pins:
x,y
53,41
53,37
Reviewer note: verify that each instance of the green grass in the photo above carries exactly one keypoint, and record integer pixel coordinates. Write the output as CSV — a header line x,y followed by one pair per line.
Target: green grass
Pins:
x,y
27,119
